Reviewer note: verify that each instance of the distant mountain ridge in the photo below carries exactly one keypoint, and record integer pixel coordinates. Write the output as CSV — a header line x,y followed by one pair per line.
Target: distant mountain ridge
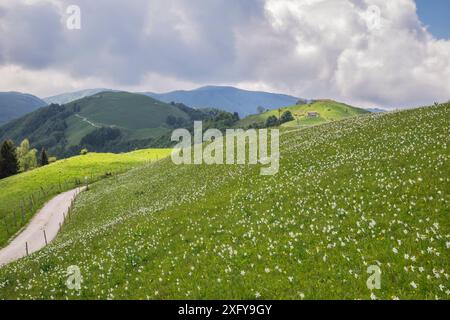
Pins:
x,y
376,110
68,97
15,104
227,98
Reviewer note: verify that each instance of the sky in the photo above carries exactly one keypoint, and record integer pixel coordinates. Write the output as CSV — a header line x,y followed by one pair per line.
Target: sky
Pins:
x,y
435,15
370,53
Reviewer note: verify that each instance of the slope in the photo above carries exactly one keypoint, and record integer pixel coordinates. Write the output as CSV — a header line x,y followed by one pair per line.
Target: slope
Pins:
x,y
23,194
326,110
370,190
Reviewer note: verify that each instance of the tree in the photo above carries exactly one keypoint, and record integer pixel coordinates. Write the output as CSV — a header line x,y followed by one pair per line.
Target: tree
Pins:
x,y
286,117
9,165
260,109
44,158
271,121
27,158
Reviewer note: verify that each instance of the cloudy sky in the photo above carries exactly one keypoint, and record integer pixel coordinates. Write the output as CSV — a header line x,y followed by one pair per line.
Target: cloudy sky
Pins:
x,y
366,52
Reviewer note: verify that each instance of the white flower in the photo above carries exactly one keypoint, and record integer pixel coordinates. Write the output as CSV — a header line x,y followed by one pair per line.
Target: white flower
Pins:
x,y
257,294
373,296
394,250
413,284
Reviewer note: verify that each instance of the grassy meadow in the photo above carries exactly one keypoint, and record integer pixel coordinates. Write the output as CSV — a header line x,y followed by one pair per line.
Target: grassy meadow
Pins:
x,y
369,190
328,111
23,194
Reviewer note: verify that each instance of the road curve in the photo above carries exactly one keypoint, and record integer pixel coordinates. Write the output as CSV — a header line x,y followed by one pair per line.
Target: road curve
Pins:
x,y
49,218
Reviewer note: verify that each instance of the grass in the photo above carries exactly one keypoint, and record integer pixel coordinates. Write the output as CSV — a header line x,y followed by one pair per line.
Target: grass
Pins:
x,y
32,189
328,111
139,116
127,110
370,190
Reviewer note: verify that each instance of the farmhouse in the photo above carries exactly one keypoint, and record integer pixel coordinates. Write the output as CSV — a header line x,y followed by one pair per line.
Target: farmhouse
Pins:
x,y
313,114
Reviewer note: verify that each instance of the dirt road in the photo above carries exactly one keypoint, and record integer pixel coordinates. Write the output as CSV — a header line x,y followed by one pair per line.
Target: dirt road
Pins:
x,y
48,219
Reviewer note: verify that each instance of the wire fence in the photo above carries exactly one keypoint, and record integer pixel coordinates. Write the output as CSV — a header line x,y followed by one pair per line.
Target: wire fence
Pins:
x,y
13,219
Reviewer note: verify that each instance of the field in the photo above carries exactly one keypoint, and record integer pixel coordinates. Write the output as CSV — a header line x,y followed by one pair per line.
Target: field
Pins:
x,y
369,190
328,111
30,190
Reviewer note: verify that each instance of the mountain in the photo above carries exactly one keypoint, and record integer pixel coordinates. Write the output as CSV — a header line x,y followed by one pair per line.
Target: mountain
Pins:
x,y
227,98
107,122
316,112
350,196
376,110
72,96
16,104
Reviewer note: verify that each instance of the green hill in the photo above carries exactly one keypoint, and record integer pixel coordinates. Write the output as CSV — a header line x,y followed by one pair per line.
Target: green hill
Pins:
x,y
370,190
23,194
14,105
104,122
72,96
326,110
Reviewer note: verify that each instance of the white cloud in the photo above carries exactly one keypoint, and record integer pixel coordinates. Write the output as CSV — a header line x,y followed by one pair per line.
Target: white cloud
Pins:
x,y
309,48
397,64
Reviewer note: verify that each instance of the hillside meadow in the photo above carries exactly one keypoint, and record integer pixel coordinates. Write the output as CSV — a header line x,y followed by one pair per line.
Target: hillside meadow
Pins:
x,y
23,194
327,111
366,191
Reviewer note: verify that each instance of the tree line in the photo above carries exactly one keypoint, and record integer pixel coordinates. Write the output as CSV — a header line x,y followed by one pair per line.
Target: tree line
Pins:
x,y
20,159
273,121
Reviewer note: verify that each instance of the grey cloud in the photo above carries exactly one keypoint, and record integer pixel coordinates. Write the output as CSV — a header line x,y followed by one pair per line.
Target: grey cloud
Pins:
x,y
305,48
29,34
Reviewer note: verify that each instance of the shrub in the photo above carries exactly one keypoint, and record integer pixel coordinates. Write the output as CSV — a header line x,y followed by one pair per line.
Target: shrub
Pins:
x,y
271,121
286,117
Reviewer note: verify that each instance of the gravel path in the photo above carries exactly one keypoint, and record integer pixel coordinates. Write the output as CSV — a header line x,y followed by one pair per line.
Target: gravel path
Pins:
x,y
49,218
